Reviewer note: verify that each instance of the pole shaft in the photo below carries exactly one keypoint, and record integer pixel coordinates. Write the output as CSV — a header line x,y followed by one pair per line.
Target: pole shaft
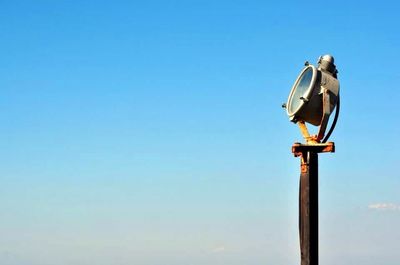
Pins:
x,y
308,208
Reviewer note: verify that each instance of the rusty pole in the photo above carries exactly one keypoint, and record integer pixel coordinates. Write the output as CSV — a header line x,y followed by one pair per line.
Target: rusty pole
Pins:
x,y
308,198
308,209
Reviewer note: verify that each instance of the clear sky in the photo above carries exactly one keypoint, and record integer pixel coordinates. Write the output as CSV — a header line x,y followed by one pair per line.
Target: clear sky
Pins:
x,y
151,132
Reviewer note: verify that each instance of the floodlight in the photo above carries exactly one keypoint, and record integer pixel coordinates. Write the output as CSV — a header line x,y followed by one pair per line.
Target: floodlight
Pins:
x,y
312,99
314,96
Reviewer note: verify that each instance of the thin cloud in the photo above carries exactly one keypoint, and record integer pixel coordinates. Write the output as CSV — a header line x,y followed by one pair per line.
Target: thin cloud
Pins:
x,y
218,249
384,206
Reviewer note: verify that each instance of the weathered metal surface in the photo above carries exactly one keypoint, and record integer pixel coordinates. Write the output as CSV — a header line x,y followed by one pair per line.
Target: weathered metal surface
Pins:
x,y
298,149
327,110
308,198
308,209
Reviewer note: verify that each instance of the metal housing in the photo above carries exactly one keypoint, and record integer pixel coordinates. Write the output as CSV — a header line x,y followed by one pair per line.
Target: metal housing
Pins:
x,y
312,107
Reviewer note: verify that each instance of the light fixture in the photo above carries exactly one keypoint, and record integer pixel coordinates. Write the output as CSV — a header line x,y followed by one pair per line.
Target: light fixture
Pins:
x,y
313,97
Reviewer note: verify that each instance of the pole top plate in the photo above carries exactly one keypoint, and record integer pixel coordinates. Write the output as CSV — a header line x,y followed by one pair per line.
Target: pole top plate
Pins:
x,y
299,149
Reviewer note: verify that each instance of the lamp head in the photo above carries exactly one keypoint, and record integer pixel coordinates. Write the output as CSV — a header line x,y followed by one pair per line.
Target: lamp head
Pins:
x,y
315,93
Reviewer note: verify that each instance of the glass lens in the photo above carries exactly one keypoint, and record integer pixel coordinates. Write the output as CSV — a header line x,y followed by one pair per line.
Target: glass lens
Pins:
x,y
300,90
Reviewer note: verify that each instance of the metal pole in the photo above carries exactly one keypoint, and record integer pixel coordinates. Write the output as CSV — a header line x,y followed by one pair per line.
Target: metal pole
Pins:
x,y
308,208
308,198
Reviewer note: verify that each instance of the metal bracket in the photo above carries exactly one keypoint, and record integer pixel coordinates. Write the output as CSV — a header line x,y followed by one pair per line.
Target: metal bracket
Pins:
x,y
326,103
299,149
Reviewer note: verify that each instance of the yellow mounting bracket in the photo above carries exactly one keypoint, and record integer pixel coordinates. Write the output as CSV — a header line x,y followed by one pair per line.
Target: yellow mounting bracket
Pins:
x,y
327,110
304,131
313,143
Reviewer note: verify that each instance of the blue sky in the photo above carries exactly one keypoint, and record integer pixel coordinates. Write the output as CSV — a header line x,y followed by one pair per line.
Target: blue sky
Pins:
x,y
151,133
